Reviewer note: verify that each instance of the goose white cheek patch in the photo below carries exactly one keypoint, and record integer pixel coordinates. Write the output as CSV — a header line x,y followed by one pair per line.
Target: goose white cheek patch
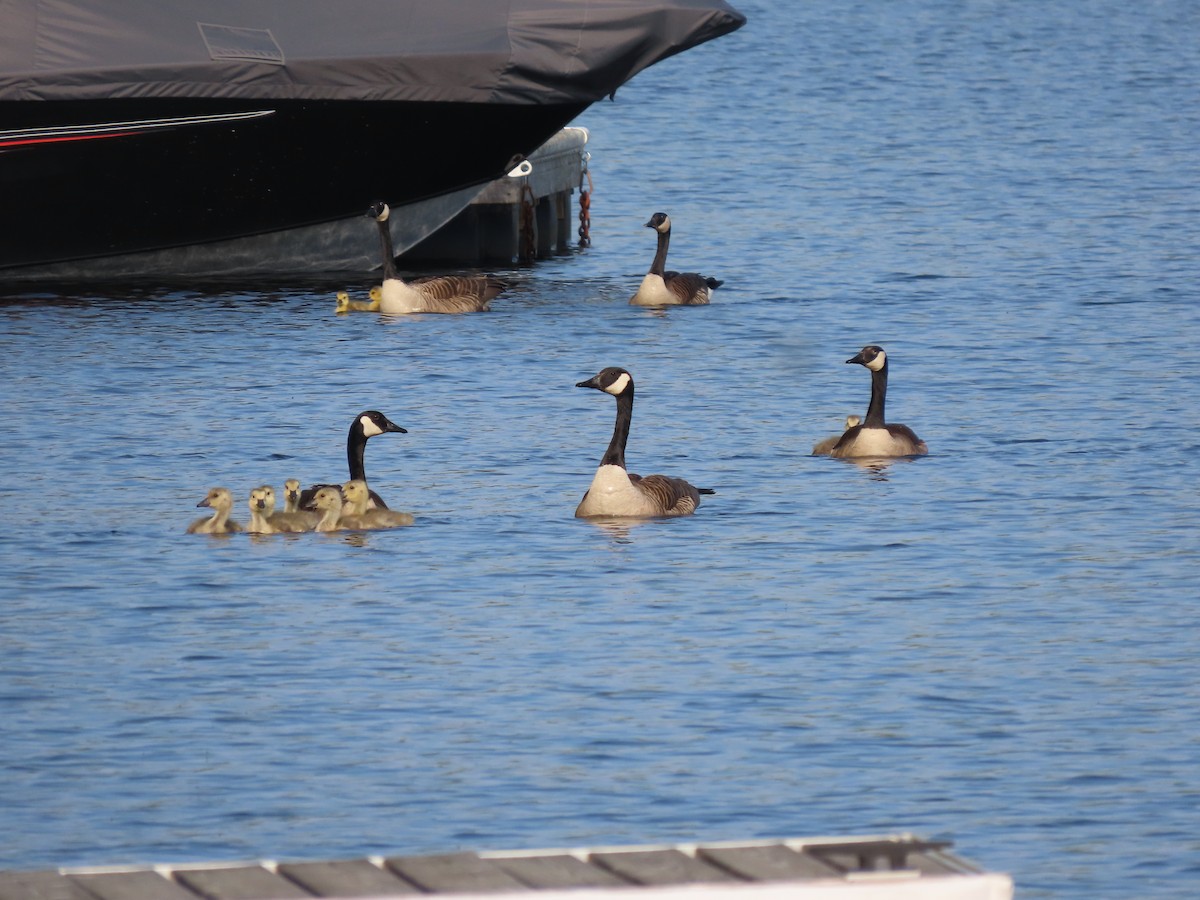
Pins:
x,y
618,386
877,363
370,429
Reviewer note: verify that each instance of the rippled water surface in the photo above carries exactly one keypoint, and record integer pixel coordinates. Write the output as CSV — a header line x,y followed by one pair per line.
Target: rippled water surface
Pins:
x,y
995,644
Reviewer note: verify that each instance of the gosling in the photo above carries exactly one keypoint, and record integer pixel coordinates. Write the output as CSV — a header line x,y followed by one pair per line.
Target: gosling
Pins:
x,y
220,501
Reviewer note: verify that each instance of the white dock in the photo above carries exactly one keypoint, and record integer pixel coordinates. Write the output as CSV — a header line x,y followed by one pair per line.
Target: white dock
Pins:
x,y
525,216
896,867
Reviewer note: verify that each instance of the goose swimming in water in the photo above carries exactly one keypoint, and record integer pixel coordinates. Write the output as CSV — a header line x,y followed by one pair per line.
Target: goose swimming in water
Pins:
x,y
663,288
291,495
265,520
874,437
220,501
356,515
365,426
327,501
615,491
345,304
438,294
259,510
825,447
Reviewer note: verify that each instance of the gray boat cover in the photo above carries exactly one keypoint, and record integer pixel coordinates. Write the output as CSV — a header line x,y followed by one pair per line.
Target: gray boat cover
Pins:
x,y
456,51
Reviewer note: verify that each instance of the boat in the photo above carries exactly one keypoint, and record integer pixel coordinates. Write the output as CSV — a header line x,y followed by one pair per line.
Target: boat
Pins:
x,y
219,137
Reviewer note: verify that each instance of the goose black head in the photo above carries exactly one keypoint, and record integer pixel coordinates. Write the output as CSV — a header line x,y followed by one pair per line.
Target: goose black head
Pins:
x,y
660,222
613,380
871,356
373,422
379,211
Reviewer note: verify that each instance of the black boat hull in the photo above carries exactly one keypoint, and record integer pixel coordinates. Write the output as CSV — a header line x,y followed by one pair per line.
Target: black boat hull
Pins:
x,y
90,179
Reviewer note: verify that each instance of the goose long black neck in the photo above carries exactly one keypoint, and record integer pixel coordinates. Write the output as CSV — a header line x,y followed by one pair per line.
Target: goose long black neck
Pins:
x,y
659,266
389,253
615,454
878,398
356,445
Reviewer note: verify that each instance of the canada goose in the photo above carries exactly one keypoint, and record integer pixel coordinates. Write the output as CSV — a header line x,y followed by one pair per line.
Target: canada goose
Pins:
x,y
365,426
345,304
823,447
328,502
874,437
291,495
663,288
259,511
438,294
616,492
265,520
220,501
357,515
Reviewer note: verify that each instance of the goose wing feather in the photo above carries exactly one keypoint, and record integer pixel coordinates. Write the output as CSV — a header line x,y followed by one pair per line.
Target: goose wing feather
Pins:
x,y
903,432
458,293
674,496
691,288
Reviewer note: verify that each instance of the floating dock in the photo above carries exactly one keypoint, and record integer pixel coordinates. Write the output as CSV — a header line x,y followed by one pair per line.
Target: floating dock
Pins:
x,y
524,216
898,867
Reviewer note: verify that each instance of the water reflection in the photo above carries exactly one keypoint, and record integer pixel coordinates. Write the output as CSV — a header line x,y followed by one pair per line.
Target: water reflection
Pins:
x,y
618,528
877,467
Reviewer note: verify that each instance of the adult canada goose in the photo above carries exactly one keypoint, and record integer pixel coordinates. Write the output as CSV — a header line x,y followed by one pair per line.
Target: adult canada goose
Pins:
x,y
663,288
616,492
357,515
824,447
345,304
874,437
220,501
365,426
438,294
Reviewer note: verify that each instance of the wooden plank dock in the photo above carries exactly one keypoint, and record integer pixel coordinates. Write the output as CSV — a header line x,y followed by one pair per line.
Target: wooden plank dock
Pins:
x,y
898,867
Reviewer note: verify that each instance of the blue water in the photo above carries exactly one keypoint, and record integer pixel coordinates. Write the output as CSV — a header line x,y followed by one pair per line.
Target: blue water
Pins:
x,y
995,644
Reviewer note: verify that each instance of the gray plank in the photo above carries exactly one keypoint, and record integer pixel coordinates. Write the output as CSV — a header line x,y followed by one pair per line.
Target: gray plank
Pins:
x,y
40,885
930,864
140,885
873,855
773,862
560,870
661,867
453,872
346,878
240,883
